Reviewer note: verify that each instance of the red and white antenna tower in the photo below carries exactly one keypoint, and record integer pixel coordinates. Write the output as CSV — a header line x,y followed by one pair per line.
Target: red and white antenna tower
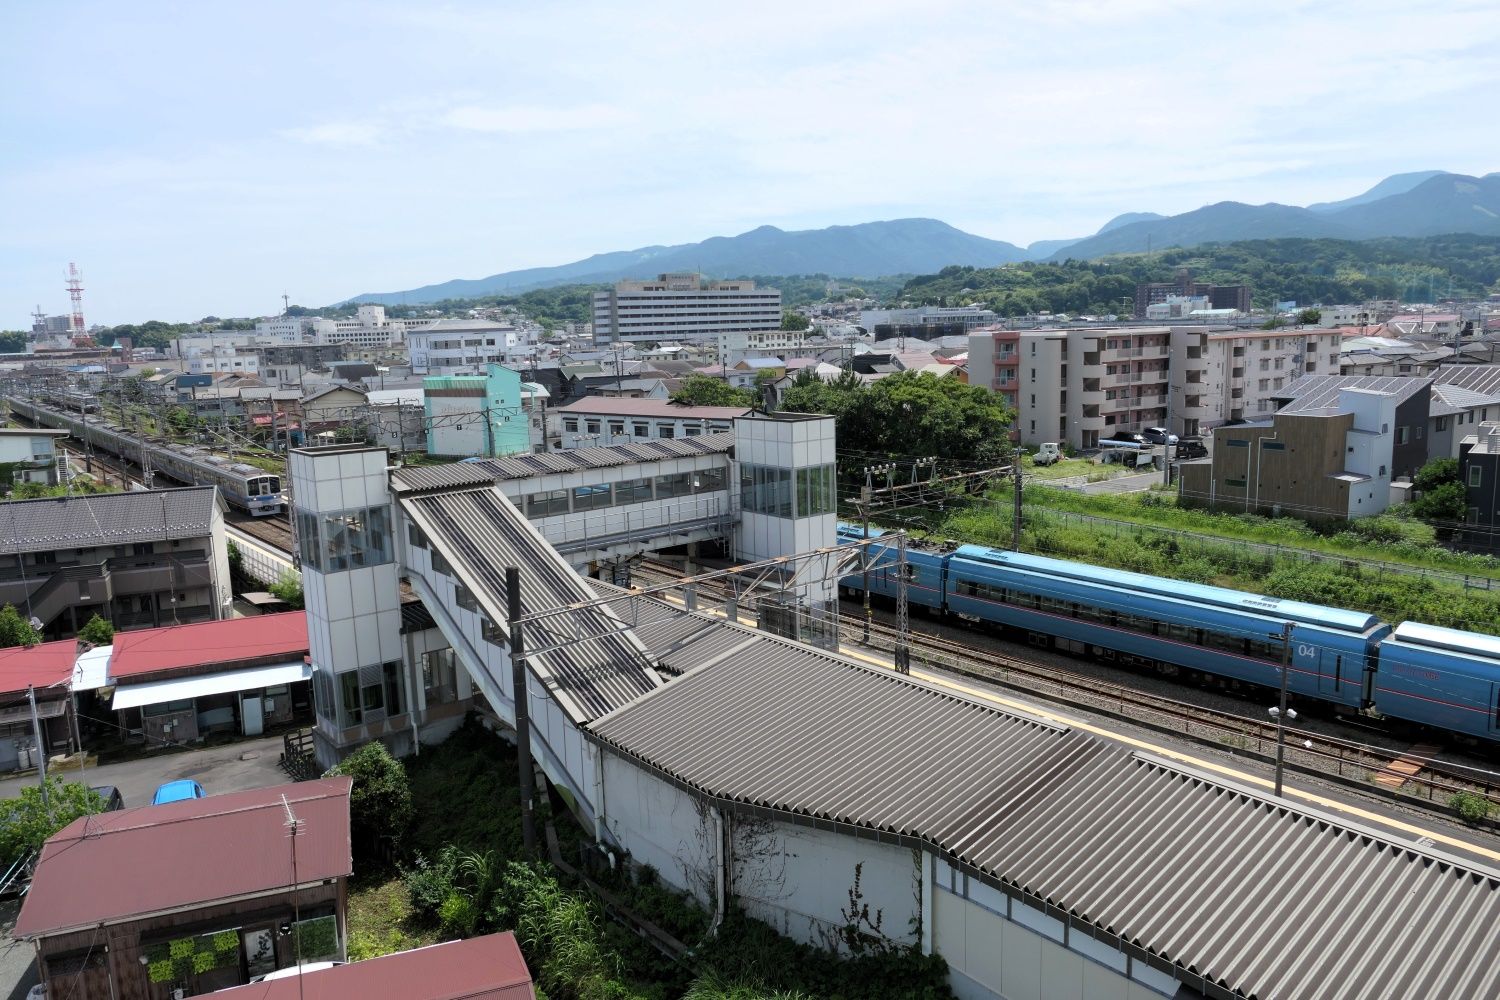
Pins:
x,y
75,292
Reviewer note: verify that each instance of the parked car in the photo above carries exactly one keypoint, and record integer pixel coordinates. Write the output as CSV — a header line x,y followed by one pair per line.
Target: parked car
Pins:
x,y
112,798
1191,447
1047,454
1158,435
177,791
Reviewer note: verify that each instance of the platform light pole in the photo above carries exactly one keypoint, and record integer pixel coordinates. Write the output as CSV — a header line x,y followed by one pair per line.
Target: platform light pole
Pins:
x,y
1281,713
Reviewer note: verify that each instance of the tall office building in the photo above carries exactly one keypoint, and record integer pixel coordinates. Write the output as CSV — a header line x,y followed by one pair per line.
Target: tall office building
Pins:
x,y
683,306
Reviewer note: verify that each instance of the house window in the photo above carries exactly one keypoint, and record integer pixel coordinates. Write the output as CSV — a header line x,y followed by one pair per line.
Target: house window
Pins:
x,y
666,430
1474,475
571,425
1401,435
640,430
1442,424
617,427
593,426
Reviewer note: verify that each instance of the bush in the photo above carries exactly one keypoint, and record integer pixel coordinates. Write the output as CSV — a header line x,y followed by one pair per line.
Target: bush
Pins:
x,y
97,631
25,823
380,802
1471,808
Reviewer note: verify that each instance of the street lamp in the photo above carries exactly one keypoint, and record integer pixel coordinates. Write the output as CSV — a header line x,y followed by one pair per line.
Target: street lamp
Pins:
x,y
1281,713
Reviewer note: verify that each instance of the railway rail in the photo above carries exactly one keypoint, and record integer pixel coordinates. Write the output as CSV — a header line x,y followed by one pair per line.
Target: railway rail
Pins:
x,y
1350,761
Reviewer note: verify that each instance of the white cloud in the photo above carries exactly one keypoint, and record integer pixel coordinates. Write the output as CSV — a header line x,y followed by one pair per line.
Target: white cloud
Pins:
x,y
476,118
338,134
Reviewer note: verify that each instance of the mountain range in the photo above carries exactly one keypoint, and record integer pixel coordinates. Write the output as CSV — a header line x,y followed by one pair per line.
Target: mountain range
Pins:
x,y
1423,203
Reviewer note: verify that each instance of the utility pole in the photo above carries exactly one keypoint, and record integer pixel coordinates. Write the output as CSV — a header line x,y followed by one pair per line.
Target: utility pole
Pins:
x,y
1166,446
864,555
523,710
1281,713
1015,527
41,743
903,651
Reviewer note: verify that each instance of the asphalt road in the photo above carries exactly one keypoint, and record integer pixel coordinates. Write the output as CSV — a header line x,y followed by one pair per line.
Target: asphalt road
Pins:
x,y
234,767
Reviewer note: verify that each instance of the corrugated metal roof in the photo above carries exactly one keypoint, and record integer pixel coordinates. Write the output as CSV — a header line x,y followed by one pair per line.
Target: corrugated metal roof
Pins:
x,y
135,862
480,533
277,637
1456,399
493,470
39,666
481,968
107,519
1315,392
1236,890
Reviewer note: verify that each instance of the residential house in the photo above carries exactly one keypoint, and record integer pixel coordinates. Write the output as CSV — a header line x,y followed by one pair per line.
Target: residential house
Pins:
x,y
192,896
28,455
41,672
136,559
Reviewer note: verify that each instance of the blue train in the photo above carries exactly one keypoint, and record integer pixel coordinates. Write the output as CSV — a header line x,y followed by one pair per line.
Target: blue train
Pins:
x,y
1437,677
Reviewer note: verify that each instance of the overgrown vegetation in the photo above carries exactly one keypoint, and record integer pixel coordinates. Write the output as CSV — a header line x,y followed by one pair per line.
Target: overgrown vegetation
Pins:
x,y
289,589
704,390
1469,807
380,802
465,874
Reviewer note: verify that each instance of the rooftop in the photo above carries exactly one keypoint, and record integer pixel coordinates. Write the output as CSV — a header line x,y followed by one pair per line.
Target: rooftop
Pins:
x,y
38,666
107,519
482,968
263,638
132,863
1318,392
610,406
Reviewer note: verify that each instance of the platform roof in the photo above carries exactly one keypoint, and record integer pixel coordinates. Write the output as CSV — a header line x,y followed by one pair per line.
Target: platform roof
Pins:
x,y
530,466
1240,894
480,533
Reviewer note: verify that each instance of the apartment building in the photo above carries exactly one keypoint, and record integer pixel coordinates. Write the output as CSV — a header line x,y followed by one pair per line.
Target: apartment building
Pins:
x,y
489,415
370,328
683,306
1236,297
1223,375
461,345
1076,386
157,557
925,322
28,455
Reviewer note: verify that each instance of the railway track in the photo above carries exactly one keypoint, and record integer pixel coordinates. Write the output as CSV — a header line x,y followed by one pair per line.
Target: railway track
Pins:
x,y
1358,764
274,531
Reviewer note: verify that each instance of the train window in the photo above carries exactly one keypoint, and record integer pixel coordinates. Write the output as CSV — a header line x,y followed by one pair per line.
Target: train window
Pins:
x,y
968,588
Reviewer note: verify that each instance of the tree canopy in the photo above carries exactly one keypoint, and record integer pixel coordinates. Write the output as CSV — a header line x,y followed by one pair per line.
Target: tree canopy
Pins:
x,y
97,631
909,413
15,630
703,390
25,823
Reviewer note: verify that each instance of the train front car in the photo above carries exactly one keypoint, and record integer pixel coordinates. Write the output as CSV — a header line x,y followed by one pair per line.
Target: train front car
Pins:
x,y
264,496
924,570
1441,677
1169,625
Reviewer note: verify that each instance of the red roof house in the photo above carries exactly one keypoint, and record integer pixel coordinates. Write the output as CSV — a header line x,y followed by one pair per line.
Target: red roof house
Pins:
x,y
115,893
482,968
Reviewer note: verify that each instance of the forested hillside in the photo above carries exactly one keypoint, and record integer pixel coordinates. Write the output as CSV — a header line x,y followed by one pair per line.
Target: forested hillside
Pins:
x,y
1305,271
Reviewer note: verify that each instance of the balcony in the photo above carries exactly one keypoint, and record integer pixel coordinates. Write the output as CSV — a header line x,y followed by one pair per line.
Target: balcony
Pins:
x,y
1091,397
1094,423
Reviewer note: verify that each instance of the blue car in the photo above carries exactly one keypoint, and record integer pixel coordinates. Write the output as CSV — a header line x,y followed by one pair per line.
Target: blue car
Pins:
x,y
177,791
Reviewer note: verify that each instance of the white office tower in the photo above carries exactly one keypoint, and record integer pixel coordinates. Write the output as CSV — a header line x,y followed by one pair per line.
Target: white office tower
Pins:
x,y
683,306
352,592
789,504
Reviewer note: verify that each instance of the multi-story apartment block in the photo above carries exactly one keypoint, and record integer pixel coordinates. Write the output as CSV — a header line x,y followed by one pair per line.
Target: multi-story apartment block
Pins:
x,y
683,306
150,558
1076,386
461,345
1220,375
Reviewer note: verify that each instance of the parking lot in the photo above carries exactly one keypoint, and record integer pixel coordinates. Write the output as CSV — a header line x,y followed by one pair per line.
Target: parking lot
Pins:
x,y
230,768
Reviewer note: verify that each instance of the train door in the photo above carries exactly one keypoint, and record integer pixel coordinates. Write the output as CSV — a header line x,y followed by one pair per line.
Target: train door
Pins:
x,y
1335,667
1493,725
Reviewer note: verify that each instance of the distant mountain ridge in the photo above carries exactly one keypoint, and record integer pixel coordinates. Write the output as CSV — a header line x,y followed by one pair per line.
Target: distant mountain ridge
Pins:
x,y
872,249
1420,203
1440,203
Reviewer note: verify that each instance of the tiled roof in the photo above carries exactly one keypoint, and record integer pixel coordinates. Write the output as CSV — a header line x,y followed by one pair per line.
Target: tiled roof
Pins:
x,y
107,519
135,862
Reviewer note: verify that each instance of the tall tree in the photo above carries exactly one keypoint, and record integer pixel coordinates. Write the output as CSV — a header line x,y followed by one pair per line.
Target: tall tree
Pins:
x,y
15,630
701,390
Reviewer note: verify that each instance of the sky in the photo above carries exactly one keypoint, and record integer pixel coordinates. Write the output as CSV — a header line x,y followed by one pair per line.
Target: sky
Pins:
x,y
204,159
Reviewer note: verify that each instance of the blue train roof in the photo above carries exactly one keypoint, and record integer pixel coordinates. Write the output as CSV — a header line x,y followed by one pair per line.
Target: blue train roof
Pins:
x,y
1451,639
1273,607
